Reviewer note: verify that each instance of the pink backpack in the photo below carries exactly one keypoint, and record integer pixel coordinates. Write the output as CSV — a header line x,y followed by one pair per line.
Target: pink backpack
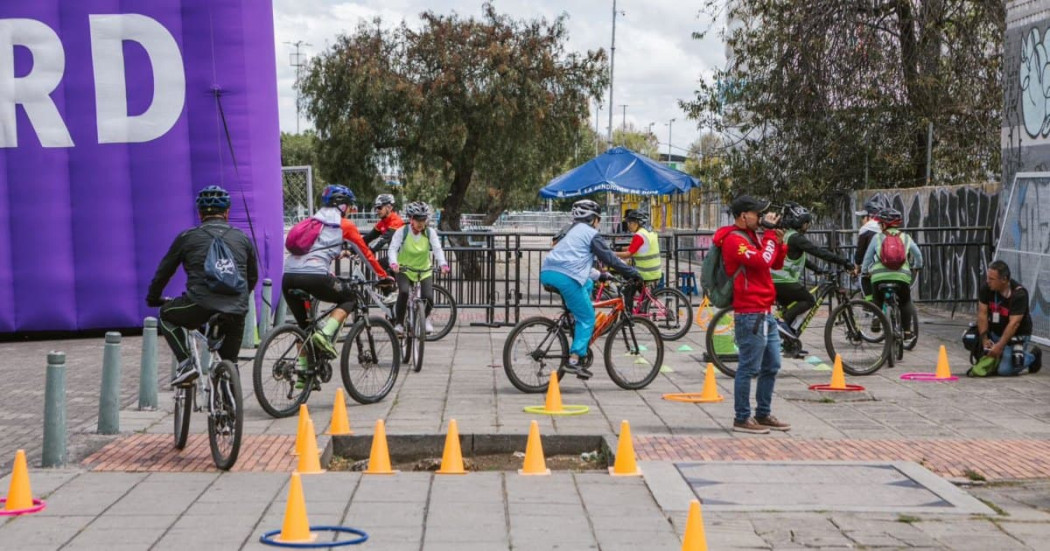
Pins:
x,y
894,252
302,236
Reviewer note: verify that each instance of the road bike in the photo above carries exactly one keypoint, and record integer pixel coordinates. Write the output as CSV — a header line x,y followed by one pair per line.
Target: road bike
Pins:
x,y
669,309
289,366
219,395
539,346
843,331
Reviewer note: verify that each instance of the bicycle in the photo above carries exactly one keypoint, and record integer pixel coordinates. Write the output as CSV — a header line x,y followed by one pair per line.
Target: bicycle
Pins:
x,y
443,313
634,349
892,311
414,335
669,309
282,383
221,396
910,343
843,332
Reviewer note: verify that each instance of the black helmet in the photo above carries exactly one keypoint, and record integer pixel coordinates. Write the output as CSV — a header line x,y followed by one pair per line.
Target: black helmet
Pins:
x,y
889,216
637,216
586,210
383,200
795,216
213,200
871,208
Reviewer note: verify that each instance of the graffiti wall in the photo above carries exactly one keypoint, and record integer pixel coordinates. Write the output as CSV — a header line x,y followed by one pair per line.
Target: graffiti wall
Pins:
x,y
1026,89
1024,244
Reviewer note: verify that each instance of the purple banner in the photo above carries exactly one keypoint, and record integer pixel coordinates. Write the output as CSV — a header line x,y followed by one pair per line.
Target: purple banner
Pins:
x,y
110,121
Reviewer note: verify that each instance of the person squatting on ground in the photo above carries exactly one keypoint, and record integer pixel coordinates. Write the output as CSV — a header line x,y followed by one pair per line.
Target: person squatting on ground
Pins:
x,y
644,249
199,303
1003,320
310,272
568,268
379,237
901,278
755,328
792,295
411,247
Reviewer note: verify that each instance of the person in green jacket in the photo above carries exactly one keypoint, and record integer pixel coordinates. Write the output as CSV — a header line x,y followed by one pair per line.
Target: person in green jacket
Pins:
x,y
411,247
901,277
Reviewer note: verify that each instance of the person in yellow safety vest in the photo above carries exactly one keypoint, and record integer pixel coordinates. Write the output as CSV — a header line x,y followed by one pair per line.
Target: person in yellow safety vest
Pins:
x,y
644,248
901,277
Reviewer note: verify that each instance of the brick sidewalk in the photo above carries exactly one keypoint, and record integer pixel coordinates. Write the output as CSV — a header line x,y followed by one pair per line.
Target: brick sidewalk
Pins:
x,y
992,459
156,453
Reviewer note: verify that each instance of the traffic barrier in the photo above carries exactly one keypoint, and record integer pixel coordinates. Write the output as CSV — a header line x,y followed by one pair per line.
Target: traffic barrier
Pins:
x,y
109,397
148,368
452,457
54,453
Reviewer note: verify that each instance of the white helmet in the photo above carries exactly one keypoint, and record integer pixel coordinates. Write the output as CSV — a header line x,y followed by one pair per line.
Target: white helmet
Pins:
x,y
585,210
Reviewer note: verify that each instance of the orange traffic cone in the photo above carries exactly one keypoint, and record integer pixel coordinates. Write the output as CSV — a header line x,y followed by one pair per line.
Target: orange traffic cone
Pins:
x,y
553,403
19,495
710,391
625,462
694,539
838,376
300,432
310,458
452,458
943,371
296,527
379,458
535,464
340,421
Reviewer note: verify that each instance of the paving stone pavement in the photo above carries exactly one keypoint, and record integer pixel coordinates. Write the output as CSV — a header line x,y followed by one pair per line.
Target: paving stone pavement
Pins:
x,y
984,419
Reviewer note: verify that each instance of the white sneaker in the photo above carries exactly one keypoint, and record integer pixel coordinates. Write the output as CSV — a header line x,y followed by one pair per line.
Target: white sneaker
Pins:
x,y
390,299
399,329
429,327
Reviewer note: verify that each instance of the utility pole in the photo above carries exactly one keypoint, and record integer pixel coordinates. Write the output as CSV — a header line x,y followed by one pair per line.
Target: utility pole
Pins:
x,y
612,66
929,150
624,117
297,62
669,124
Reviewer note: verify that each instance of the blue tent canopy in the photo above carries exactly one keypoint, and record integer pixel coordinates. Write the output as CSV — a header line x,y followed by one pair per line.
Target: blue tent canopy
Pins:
x,y
619,170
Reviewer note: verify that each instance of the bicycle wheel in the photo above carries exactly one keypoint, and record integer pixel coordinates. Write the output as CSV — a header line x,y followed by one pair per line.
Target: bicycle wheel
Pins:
x,y
720,342
843,336
226,419
634,353
443,315
534,349
419,335
183,408
276,370
370,360
672,315
909,344
897,332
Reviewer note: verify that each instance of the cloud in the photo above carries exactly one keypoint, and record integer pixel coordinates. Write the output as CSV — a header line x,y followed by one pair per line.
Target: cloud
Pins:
x,y
657,61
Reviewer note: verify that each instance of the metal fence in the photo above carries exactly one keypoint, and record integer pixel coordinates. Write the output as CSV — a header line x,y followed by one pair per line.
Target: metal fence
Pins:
x,y
297,185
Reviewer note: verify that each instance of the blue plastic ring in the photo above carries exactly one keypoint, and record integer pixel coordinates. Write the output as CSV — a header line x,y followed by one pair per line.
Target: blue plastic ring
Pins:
x,y
267,538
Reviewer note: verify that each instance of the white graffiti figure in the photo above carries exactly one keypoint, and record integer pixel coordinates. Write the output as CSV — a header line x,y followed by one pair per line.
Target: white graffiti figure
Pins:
x,y
1034,75
225,266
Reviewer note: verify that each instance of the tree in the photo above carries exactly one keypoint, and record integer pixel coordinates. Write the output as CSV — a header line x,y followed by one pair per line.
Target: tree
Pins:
x,y
819,98
637,141
494,100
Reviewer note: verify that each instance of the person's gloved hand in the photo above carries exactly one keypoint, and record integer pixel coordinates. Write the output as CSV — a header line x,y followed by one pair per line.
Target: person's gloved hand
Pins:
x,y
445,269
394,267
155,302
605,276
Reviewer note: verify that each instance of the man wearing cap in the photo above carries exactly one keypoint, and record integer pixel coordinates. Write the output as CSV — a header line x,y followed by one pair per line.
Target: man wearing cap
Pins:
x,y
755,328
869,228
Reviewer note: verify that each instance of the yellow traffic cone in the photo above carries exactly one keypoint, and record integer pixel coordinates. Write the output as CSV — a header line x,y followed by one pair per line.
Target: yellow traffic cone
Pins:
x,y
943,371
296,527
535,464
310,458
452,458
694,539
625,462
300,432
553,403
340,421
838,376
710,391
379,458
19,494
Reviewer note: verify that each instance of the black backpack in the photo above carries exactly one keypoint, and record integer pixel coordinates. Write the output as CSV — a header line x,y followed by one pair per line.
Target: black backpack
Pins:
x,y
220,267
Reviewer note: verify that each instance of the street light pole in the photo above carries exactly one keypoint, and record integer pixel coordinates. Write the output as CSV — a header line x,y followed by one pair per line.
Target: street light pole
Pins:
x,y
669,123
612,65
624,117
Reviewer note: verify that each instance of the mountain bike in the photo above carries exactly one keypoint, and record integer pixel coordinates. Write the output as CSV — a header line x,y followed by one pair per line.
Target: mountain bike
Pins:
x,y
219,395
669,309
288,366
414,335
876,336
843,331
891,308
538,346
443,313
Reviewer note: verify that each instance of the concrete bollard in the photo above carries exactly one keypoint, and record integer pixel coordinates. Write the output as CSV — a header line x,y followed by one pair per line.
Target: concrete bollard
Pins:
x,y
264,322
248,337
55,411
174,367
282,311
109,399
148,374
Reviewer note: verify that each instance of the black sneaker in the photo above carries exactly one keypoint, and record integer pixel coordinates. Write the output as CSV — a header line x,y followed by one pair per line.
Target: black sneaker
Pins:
x,y
1037,360
576,369
876,325
185,374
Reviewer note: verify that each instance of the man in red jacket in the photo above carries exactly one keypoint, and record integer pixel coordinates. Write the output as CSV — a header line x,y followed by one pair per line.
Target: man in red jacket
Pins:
x,y
755,328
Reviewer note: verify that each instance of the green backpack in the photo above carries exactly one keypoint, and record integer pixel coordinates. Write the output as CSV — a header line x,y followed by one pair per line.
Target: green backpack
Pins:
x,y
985,367
716,282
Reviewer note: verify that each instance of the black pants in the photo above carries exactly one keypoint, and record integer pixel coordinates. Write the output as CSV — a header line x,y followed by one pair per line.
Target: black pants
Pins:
x,y
788,293
865,286
404,287
181,313
903,299
324,287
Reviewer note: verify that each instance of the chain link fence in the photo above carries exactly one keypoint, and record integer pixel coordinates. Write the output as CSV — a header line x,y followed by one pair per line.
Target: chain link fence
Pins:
x,y
297,185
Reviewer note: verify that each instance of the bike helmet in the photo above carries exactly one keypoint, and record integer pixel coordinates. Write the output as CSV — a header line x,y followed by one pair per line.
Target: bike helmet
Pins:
x,y
213,200
795,216
642,218
383,200
418,210
336,195
586,210
891,217
871,208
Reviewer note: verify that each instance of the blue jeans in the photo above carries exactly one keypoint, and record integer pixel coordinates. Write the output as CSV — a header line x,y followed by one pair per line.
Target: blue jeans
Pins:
x,y
1006,363
578,300
759,352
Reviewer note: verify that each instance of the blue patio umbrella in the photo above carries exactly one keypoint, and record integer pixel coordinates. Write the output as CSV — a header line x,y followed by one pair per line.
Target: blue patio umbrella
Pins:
x,y
619,170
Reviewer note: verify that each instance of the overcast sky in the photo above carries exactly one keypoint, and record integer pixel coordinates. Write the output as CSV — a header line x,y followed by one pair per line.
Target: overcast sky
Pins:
x,y
657,60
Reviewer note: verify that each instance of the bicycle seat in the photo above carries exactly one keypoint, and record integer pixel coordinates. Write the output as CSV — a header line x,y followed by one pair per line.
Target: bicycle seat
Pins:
x,y
889,286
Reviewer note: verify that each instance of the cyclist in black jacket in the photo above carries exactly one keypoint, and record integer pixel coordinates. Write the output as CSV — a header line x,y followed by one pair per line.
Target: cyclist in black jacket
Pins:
x,y
196,306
